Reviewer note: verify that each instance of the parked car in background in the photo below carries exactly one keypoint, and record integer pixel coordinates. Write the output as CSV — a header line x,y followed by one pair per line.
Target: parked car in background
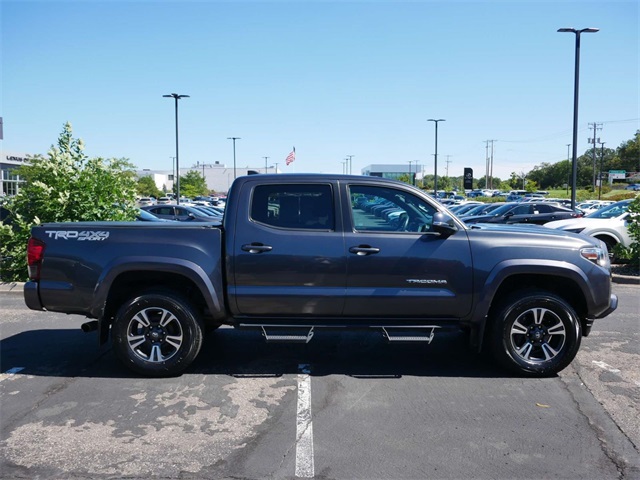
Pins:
x,y
482,209
463,208
209,210
145,201
182,213
453,200
591,206
633,186
145,216
526,212
608,224
164,201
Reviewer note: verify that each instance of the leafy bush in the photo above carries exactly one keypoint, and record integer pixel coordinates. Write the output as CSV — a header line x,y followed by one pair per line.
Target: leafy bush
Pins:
x,y
632,254
64,186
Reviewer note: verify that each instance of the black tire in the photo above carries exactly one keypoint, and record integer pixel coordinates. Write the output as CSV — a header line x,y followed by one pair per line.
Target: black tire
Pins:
x,y
157,334
535,333
610,243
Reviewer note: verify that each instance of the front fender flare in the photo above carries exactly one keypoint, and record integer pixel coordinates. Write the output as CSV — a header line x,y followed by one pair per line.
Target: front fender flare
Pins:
x,y
502,271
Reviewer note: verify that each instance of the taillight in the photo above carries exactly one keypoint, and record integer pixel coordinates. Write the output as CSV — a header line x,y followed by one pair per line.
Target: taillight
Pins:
x,y
35,253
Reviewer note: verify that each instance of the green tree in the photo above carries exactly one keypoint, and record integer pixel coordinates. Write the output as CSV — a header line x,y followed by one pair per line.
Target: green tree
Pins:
x,y
631,254
192,184
531,186
65,185
628,155
147,187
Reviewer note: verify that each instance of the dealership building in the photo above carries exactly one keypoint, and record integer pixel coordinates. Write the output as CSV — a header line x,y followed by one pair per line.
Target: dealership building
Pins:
x,y
9,181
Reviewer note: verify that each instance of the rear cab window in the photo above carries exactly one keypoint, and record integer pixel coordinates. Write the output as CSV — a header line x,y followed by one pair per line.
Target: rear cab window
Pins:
x,y
294,206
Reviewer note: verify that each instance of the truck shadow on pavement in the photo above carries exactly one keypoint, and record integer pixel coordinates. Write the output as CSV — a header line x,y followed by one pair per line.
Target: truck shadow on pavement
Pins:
x,y
71,353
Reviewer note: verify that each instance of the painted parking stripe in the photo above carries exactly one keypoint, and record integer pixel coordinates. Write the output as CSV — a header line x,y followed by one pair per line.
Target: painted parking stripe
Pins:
x,y
304,426
605,366
10,373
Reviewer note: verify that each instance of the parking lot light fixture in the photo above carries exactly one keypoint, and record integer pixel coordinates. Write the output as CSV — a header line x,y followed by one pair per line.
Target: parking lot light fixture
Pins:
x,y
435,161
576,84
177,179
234,154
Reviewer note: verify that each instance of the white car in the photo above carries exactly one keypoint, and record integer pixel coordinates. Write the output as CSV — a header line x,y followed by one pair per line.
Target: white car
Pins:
x,y
145,201
608,224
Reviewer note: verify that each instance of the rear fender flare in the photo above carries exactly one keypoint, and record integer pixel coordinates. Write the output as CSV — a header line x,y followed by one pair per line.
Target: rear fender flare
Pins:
x,y
213,294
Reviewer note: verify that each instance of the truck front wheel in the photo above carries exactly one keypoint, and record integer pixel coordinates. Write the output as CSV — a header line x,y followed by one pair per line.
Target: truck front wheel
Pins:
x,y
535,333
157,334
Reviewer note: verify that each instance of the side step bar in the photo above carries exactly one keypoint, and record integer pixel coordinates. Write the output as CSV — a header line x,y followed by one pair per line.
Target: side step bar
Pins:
x,y
391,333
410,334
287,337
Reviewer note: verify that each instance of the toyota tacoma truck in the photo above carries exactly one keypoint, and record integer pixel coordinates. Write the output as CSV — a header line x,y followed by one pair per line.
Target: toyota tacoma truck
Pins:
x,y
298,253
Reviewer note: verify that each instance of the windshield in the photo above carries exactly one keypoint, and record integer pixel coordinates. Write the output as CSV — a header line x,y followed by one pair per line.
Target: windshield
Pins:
x,y
611,211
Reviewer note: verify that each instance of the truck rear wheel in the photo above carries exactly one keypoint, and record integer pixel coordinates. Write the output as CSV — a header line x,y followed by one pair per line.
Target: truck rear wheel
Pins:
x,y
535,333
157,334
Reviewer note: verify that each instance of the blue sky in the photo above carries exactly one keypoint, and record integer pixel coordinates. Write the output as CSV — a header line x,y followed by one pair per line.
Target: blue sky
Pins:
x,y
332,79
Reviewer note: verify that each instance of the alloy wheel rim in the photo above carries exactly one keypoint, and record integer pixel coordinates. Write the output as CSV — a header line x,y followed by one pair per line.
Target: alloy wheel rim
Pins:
x,y
154,335
538,335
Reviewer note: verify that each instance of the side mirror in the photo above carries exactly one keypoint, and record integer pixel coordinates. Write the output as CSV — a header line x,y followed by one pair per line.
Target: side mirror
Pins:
x,y
444,224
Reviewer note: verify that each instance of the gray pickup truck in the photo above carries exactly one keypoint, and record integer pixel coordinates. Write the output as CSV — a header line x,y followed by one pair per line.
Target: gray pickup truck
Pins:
x,y
297,253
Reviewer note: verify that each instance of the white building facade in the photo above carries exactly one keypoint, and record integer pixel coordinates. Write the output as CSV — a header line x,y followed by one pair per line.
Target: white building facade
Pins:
x,y
9,180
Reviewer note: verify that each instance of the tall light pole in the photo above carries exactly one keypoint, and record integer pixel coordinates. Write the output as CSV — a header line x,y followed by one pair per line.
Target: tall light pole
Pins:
x,y
173,172
435,162
265,164
177,180
601,162
568,165
350,172
234,154
576,85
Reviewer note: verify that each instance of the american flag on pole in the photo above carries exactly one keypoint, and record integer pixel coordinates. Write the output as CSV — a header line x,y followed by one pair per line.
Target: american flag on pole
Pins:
x,y
291,157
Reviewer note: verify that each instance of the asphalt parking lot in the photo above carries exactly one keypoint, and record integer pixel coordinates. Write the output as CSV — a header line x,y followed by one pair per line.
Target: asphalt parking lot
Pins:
x,y
344,406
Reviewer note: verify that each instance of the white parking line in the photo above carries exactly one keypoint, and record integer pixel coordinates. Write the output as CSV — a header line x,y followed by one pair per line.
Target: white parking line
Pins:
x,y
605,366
10,373
304,430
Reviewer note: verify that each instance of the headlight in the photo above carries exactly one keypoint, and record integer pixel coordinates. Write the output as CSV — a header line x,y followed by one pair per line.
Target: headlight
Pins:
x,y
575,230
597,255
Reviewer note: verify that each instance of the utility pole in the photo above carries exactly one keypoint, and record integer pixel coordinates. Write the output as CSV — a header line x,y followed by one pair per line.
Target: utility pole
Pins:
x,y
601,162
491,167
486,163
448,162
488,174
265,163
594,140
350,172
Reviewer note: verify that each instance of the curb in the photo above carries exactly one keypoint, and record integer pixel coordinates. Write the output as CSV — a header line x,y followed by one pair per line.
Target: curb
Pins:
x,y
625,279
12,287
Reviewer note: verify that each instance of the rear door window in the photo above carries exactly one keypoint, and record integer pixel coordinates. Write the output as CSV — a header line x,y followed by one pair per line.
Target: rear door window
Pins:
x,y
297,206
